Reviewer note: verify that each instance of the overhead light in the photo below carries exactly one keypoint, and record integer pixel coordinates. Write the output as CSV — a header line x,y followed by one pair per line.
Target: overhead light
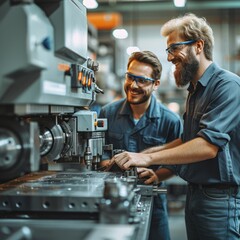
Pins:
x,y
179,3
120,33
132,49
90,4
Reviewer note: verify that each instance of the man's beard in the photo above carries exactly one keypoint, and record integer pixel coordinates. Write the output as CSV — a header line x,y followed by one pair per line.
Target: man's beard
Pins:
x,y
188,71
143,99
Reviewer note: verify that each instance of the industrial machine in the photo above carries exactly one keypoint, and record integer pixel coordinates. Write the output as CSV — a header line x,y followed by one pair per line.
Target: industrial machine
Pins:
x,y
51,144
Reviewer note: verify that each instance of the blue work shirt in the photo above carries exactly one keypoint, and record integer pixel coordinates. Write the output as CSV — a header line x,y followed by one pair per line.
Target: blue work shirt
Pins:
x,y
156,127
213,113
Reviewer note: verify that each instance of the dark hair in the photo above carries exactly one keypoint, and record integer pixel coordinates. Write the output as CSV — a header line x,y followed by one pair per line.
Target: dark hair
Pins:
x,y
148,58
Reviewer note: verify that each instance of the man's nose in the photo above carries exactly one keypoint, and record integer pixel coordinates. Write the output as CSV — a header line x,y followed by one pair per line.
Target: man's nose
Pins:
x,y
134,84
170,57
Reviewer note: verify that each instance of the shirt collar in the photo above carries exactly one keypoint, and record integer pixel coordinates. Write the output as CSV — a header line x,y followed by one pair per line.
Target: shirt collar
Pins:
x,y
152,112
206,77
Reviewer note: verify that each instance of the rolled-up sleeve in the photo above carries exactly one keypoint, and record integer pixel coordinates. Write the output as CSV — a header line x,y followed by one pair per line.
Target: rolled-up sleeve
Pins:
x,y
221,117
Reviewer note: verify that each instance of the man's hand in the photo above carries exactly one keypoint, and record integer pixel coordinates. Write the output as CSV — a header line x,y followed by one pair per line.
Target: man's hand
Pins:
x,y
104,163
150,176
126,160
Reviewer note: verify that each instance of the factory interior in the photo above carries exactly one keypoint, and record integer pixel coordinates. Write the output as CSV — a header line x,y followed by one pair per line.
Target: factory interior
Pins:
x,y
60,63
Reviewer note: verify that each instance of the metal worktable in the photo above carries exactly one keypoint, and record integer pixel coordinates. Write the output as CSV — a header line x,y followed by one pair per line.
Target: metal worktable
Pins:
x,y
56,205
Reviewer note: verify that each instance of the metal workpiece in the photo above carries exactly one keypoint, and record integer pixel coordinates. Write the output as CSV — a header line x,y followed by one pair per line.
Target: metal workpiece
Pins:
x,y
53,192
115,204
145,190
122,204
63,191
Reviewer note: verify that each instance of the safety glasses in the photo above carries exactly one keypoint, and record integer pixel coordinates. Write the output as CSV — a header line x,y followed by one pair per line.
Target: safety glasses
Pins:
x,y
141,81
173,48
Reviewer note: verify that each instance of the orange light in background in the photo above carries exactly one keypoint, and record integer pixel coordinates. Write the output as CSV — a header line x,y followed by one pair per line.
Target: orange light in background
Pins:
x,y
105,21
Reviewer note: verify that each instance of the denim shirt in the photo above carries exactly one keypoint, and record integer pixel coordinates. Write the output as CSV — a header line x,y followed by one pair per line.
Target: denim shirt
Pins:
x,y
213,113
157,126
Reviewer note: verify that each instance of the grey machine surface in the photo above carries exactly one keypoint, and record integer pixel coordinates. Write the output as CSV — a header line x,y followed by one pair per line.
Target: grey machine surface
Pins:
x,y
51,144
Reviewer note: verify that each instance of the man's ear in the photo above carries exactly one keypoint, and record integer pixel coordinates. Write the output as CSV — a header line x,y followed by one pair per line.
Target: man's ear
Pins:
x,y
199,46
156,84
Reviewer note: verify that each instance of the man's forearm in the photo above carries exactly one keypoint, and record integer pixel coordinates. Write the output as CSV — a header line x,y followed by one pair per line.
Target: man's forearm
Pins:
x,y
163,147
193,151
164,174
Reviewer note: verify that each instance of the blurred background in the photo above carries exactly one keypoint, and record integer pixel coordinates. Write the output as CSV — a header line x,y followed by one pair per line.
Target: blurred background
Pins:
x,y
118,27
138,24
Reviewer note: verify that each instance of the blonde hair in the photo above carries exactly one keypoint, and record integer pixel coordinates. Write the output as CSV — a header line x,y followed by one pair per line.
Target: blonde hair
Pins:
x,y
191,27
